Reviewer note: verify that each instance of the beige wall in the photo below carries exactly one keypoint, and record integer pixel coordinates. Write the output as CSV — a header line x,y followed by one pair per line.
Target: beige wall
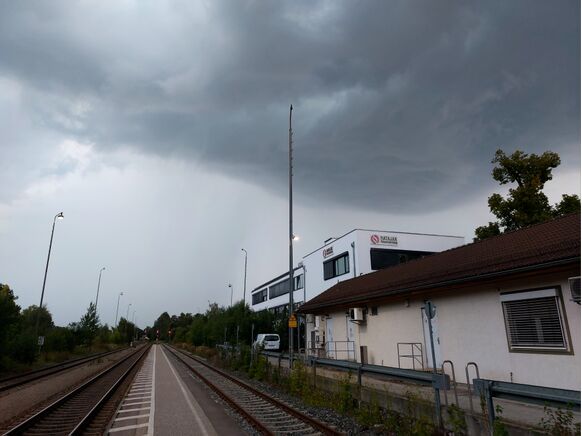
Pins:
x,y
471,328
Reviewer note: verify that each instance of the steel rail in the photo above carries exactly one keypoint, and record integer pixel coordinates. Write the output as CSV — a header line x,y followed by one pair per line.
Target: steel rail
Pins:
x,y
37,417
93,412
37,374
302,417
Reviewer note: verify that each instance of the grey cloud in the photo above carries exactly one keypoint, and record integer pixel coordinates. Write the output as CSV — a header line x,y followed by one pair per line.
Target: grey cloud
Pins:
x,y
398,105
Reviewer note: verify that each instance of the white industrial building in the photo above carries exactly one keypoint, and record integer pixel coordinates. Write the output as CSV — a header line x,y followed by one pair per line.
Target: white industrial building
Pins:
x,y
356,253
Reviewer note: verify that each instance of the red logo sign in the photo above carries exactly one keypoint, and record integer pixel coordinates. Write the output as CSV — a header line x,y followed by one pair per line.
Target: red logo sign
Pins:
x,y
375,239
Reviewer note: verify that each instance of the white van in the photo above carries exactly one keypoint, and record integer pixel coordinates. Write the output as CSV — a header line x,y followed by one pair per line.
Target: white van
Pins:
x,y
268,341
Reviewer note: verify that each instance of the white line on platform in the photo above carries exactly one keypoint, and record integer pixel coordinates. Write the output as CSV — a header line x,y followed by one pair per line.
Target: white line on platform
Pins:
x,y
133,410
131,417
205,425
153,396
128,427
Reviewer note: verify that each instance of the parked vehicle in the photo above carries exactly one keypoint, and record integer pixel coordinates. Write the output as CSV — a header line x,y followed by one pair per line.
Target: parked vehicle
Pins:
x,y
267,341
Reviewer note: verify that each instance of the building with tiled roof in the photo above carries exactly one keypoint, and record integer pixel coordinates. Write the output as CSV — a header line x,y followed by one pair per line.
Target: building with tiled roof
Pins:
x,y
510,303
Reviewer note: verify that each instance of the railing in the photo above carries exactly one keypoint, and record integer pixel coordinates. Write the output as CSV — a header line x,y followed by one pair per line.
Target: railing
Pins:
x,y
440,381
415,353
339,350
488,389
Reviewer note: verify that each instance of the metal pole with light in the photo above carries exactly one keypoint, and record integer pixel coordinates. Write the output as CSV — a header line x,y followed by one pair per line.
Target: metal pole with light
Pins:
x,y
230,286
290,236
245,282
98,286
127,314
58,216
117,310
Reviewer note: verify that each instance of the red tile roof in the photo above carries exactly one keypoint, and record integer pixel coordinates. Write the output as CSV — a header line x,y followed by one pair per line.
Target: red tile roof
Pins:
x,y
553,242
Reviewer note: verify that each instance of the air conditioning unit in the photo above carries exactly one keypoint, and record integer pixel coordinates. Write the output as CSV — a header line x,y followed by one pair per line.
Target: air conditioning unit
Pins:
x,y
357,314
575,288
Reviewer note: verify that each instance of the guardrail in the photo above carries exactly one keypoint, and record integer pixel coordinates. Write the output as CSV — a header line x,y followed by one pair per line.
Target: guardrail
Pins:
x,y
532,394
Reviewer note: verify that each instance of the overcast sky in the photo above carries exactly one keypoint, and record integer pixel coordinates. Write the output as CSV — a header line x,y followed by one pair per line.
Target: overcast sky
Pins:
x,y
160,130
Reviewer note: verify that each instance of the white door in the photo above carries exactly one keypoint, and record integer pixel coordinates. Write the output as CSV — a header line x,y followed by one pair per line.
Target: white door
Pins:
x,y
329,343
436,340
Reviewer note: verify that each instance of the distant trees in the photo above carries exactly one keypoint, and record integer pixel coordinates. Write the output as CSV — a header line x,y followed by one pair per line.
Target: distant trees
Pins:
x,y
525,204
18,339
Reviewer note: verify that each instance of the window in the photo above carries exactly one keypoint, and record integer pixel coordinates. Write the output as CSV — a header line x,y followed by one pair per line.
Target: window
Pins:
x,y
374,310
383,258
259,297
299,282
337,266
279,289
533,320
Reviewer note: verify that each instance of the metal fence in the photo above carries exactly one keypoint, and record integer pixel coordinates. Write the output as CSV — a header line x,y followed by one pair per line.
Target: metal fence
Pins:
x,y
339,350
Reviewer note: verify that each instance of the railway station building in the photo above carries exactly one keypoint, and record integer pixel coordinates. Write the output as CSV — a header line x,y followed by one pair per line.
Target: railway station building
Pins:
x,y
509,304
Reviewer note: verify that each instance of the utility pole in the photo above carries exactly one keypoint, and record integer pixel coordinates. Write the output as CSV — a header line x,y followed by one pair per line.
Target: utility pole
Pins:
x,y
290,236
98,286
245,282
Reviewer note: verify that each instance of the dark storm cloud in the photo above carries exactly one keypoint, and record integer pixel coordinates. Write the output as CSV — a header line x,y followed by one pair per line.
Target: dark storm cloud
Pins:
x,y
398,105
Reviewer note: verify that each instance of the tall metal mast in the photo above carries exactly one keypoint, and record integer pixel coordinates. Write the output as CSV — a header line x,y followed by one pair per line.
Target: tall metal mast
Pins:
x,y
290,236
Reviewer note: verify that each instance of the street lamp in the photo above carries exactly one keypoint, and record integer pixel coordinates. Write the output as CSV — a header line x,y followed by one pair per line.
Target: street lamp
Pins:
x,y
127,314
117,310
58,216
231,288
245,282
98,285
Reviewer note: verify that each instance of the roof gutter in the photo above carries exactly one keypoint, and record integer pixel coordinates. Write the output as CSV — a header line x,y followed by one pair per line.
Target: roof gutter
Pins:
x,y
379,294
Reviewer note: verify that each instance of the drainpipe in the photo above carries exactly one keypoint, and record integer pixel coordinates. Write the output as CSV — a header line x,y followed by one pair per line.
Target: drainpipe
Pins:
x,y
354,256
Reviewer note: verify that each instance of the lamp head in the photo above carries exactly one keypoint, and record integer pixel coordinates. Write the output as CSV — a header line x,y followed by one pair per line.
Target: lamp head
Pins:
x,y
60,216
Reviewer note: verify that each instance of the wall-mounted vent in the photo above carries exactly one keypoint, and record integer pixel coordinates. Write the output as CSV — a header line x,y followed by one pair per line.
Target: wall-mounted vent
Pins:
x,y
575,288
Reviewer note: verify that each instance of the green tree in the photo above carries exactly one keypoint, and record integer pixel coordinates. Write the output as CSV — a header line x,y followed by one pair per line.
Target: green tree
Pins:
x,y
525,204
9,316
45,319
86,329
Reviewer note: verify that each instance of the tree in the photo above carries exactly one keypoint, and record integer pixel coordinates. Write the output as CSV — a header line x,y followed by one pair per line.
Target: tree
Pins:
x,y
86,328
45,319
9,315
525,204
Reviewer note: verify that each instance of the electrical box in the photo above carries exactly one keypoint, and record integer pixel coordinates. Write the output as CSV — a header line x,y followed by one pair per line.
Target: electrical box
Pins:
x,y
575,288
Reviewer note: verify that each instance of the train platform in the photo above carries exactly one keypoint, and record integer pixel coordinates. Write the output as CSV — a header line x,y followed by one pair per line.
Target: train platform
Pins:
x,y
164,399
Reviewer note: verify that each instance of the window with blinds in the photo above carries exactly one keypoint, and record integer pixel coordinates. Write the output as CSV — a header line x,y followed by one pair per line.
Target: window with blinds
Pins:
x,y
533,320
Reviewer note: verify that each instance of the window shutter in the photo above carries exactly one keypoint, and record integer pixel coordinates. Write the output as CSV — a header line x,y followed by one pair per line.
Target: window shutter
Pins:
x,y
534,323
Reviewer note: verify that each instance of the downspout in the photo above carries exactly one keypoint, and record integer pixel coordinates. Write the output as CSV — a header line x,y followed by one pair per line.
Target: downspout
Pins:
x,y
354,256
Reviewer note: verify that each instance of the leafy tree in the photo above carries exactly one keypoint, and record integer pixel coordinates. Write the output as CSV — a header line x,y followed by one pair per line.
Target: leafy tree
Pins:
x,y
9,315
86,329
163,324
526,204
45,320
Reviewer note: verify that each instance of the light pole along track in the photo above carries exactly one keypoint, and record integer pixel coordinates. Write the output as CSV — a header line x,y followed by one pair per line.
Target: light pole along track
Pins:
x,y
73,412
245,403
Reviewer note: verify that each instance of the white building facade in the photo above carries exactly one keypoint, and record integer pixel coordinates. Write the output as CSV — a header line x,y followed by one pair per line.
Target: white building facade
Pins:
x,y
356,253
510,304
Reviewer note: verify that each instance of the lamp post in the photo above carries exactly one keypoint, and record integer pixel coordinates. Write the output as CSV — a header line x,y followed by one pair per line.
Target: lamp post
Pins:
x,y
231,288
117,310
245,282
58,216
98,286
290,236
127,314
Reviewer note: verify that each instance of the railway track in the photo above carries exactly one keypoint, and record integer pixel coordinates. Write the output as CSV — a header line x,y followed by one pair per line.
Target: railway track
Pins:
x,y
86,409
16,381
267,415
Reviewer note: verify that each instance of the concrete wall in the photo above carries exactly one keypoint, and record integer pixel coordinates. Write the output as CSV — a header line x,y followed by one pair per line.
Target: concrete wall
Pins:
x,y
470,327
